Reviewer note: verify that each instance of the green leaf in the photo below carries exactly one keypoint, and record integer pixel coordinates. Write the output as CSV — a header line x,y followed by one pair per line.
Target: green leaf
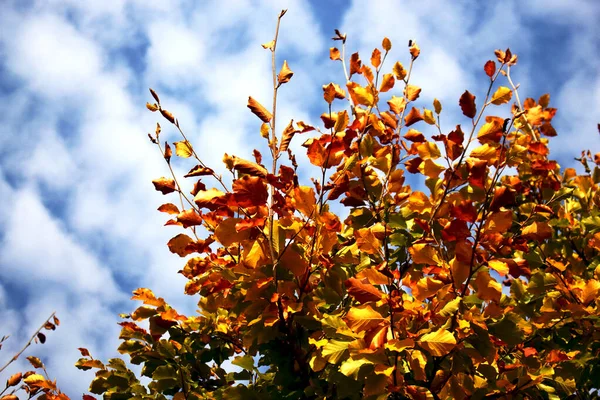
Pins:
x,y
246,362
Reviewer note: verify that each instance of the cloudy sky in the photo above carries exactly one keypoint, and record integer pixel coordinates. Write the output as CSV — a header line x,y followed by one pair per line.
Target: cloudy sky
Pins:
x,y
79,228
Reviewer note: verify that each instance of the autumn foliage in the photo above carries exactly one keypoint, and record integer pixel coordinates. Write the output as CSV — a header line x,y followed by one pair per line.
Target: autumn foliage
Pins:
x,y
484,284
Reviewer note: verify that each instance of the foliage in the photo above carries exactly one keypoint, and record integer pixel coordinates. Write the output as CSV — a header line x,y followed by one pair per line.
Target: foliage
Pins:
x,y
34,384
484,286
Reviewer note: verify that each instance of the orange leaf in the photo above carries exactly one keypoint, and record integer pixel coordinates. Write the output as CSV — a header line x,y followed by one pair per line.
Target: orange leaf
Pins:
x,y
412,92
490,68
334,54
286,137
386,44
167,115
362,292
258,110
363,318
438,343
164,185
413,116
169,208
189,218
248,167
285,74
179,244
376,58
387,83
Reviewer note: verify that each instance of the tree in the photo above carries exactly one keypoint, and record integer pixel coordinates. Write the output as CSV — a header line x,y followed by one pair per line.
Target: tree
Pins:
x,y
484,287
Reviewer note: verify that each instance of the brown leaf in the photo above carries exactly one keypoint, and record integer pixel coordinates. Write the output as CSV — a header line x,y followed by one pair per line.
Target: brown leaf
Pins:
x,y
36,362
285,74
153,93
355,64
199,170
84,352
167,115
168,152
164,185
152,107
248,167
41,337
287,135
467,104
258,110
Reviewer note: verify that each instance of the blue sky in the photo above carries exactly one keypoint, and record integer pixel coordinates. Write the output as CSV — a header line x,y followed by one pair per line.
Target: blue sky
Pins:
x,y
79,228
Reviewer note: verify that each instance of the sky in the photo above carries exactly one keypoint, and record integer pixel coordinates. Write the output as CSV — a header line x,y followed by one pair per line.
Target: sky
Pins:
x,y
79,228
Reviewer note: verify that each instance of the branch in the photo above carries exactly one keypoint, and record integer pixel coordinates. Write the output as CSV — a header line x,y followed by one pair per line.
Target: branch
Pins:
x,y
16,356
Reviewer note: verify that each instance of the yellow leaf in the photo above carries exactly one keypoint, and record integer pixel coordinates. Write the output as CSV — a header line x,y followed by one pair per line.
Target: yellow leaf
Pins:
x,y
33,379
304,197
438,343
350,367
254,256
427,287
428,117
487,287
268,45
485,152
333,351
285,74
341,122
397,104
363,318
226,233
399,345
499,266
419,202
502,96
206,198
423,253
363,96
431,169
428,150
437,106
412,92
183,149
399,71
490,131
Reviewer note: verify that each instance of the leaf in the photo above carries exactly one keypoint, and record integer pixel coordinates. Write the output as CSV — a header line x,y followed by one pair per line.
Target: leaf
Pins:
x,y
538,231
424,254
168,152
376,58
387,83
334,54
246,362
183,149
199,170
334,350
285,74
438,343
152,107
363,96
84,352
210,199
501,96
428,117
248,167
412,92
351,367
268,45
164,185
286,137
437,106
499,266
467,104
362,292
490,68
14,379
487,288
167,115
36,362
41,337
399,71
399,345
386,44
179,244
491,131
413,117
189,218
33,379
397,104
258,110
363,318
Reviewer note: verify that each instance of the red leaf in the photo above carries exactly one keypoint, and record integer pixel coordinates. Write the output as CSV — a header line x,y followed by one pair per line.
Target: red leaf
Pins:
x,y
467,104
490,68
